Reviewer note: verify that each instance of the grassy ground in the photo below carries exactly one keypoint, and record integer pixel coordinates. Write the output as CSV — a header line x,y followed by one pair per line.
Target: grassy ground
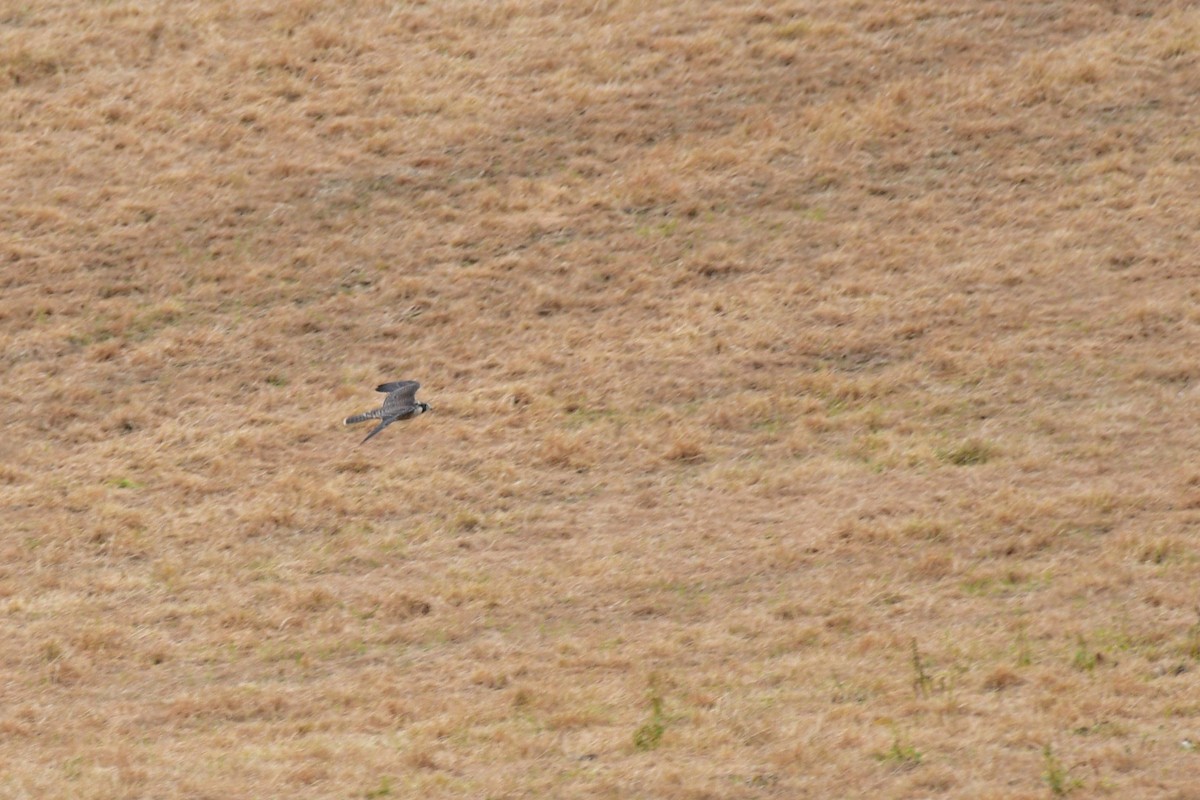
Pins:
x,y
816,399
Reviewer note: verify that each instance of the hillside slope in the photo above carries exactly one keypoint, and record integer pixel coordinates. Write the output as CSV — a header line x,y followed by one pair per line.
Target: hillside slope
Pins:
x,y
815,399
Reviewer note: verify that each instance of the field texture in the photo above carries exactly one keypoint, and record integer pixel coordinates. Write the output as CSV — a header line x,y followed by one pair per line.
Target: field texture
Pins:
x,y
816,396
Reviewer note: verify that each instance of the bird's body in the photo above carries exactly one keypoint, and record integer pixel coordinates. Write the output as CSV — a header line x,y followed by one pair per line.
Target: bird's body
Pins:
x,y
400,403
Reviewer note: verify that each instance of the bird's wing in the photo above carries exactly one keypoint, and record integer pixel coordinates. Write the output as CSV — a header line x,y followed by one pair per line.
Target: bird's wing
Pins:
x,y
378,428
396,386
401,398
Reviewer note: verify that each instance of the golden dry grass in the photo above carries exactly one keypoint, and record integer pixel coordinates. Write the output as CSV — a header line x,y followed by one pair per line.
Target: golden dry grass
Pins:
x,y
815,384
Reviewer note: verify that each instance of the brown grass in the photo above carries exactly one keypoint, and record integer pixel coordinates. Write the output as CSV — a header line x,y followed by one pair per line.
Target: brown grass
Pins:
x,y
815,396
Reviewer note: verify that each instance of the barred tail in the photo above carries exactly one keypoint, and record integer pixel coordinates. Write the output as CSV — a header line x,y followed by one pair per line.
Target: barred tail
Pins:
x,y
376,414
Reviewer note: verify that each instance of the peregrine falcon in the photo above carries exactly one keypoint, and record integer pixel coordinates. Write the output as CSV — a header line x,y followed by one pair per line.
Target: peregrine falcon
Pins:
x,y
400,403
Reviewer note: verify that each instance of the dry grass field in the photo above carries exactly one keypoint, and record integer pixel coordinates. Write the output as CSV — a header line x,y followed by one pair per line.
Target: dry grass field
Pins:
x,y
816,396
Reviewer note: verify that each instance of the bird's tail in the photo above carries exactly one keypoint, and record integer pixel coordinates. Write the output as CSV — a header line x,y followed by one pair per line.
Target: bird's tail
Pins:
x,y
376,414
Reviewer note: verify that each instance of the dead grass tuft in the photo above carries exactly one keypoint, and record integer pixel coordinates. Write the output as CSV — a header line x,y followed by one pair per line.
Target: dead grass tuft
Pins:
x,y
685,446
567,450
1002,678
968,453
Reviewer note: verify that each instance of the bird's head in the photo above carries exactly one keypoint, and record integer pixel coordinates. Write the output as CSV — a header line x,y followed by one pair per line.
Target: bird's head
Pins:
x,y
424,407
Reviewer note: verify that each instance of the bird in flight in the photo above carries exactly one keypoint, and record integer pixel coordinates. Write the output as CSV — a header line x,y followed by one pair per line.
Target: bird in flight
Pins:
x,y
400,403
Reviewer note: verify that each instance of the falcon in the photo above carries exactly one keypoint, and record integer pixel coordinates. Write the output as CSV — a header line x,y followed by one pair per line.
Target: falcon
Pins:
x,y
400,403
